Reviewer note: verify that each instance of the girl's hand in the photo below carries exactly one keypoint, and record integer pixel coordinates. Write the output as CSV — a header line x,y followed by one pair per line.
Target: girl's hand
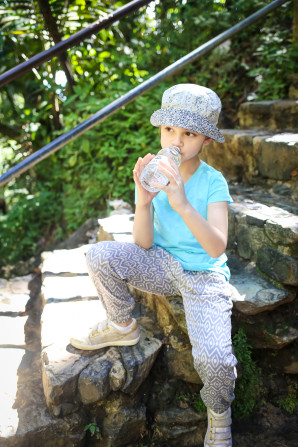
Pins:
x,y
175,188
144,197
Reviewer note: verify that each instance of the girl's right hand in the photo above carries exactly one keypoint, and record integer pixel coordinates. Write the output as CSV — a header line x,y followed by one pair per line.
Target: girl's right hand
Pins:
x,y
144,197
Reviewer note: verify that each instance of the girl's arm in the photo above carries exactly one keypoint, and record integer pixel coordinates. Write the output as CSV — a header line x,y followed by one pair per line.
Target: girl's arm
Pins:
x,y
212,234
143,233
143,226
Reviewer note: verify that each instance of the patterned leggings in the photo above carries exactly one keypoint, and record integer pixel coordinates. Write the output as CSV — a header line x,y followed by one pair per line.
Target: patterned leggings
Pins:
x,y
206,299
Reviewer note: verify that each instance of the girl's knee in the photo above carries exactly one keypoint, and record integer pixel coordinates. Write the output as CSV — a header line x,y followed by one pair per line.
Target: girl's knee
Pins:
x,y
97,254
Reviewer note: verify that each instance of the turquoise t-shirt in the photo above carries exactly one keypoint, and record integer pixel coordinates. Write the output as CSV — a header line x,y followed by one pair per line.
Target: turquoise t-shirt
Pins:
x,y
207,185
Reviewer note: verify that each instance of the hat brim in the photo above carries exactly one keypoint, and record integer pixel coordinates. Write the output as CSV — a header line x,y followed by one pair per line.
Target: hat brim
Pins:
x,y
188,120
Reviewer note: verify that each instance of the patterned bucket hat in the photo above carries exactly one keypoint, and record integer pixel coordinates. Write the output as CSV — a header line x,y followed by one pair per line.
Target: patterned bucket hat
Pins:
x,y
192,107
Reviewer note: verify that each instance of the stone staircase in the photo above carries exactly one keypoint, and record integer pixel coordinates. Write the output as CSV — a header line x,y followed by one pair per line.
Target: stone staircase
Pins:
x,y
129,394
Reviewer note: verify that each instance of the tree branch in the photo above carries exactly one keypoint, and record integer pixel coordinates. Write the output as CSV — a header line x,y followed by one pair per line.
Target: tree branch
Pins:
x,y
14,133
52,27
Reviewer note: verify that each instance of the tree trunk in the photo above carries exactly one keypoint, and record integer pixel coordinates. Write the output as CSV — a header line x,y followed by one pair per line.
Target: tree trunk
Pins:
x,y
52,27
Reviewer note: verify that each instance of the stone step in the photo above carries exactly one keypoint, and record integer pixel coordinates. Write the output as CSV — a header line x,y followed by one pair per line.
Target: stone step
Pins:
x,y
272,115
267,235
276,196
111,378
24,416
252,155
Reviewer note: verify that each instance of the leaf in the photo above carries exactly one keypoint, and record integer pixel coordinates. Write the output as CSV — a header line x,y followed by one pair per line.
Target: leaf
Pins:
x,y
72,161
86,146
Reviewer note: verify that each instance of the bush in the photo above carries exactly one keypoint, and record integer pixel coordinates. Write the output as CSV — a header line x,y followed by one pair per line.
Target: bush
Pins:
x,y
248,389
29,225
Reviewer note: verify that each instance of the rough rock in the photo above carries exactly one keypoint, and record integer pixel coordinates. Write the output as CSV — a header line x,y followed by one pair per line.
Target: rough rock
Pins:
x,y
170,317
180,427
254,226
264,336
122,369
278,266
61,366
283,361
94,373
278,156
138,361
105,373
252,294
126,425
270,115
180,365
236,158
81,236
278,195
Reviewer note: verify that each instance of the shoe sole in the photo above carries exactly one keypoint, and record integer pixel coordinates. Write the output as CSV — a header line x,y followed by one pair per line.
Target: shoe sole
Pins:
x,y
103,345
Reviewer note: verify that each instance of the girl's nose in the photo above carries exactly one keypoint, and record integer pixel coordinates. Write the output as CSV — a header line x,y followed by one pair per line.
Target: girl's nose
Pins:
x,y
178,141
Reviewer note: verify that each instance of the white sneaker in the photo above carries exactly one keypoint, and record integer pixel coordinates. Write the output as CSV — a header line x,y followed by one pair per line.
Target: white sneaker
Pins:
x,y
219,429
104,334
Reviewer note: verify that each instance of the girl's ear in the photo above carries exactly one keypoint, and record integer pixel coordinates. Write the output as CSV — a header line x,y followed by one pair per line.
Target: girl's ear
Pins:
x,y
207,141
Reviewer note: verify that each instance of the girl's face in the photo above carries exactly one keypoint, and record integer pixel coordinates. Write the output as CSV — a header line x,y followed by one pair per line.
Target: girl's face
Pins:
x,y
189,142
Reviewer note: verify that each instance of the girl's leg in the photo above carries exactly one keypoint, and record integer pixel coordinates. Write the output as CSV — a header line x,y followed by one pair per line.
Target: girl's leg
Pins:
x,y
208,307
114,265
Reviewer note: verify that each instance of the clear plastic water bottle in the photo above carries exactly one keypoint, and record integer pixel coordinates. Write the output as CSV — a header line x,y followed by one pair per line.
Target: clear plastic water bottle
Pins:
x,y
151,173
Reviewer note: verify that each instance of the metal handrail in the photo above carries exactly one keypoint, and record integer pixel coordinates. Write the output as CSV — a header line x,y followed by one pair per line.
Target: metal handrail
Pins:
x,y
134,93
64,45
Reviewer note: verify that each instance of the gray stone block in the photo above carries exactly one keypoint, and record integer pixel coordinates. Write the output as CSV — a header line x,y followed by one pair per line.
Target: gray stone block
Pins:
x,y
278,156
280,267
270,115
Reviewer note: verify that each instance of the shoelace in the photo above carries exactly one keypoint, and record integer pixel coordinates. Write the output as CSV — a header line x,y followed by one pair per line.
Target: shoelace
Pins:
x,y
100,327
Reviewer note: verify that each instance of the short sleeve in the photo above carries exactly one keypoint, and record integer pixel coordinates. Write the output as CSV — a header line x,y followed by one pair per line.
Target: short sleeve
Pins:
x,y
219,190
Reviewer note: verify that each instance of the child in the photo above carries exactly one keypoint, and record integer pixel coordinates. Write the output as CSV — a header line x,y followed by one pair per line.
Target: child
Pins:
x,y
180,236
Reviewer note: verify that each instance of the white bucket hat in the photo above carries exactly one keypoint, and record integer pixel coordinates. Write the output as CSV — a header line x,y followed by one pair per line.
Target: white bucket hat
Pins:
x,y
192,107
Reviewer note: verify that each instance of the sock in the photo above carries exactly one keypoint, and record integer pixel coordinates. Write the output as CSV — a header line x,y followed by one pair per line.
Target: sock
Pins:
x,y
218,414
123,329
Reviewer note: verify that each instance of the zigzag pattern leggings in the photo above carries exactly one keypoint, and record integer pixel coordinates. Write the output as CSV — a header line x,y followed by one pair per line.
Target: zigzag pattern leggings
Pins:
x,y
206,299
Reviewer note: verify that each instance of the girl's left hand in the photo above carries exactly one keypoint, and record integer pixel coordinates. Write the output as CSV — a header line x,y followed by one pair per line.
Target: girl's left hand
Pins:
x,y
175,188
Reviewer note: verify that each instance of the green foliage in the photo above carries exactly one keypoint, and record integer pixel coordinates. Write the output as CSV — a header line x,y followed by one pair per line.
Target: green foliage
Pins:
x,y
198,404
93,429
25,230
193,399
290,402
97,166
248,389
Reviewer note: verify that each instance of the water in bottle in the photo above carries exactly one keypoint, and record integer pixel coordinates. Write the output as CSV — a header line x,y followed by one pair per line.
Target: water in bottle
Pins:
x,y
151,173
